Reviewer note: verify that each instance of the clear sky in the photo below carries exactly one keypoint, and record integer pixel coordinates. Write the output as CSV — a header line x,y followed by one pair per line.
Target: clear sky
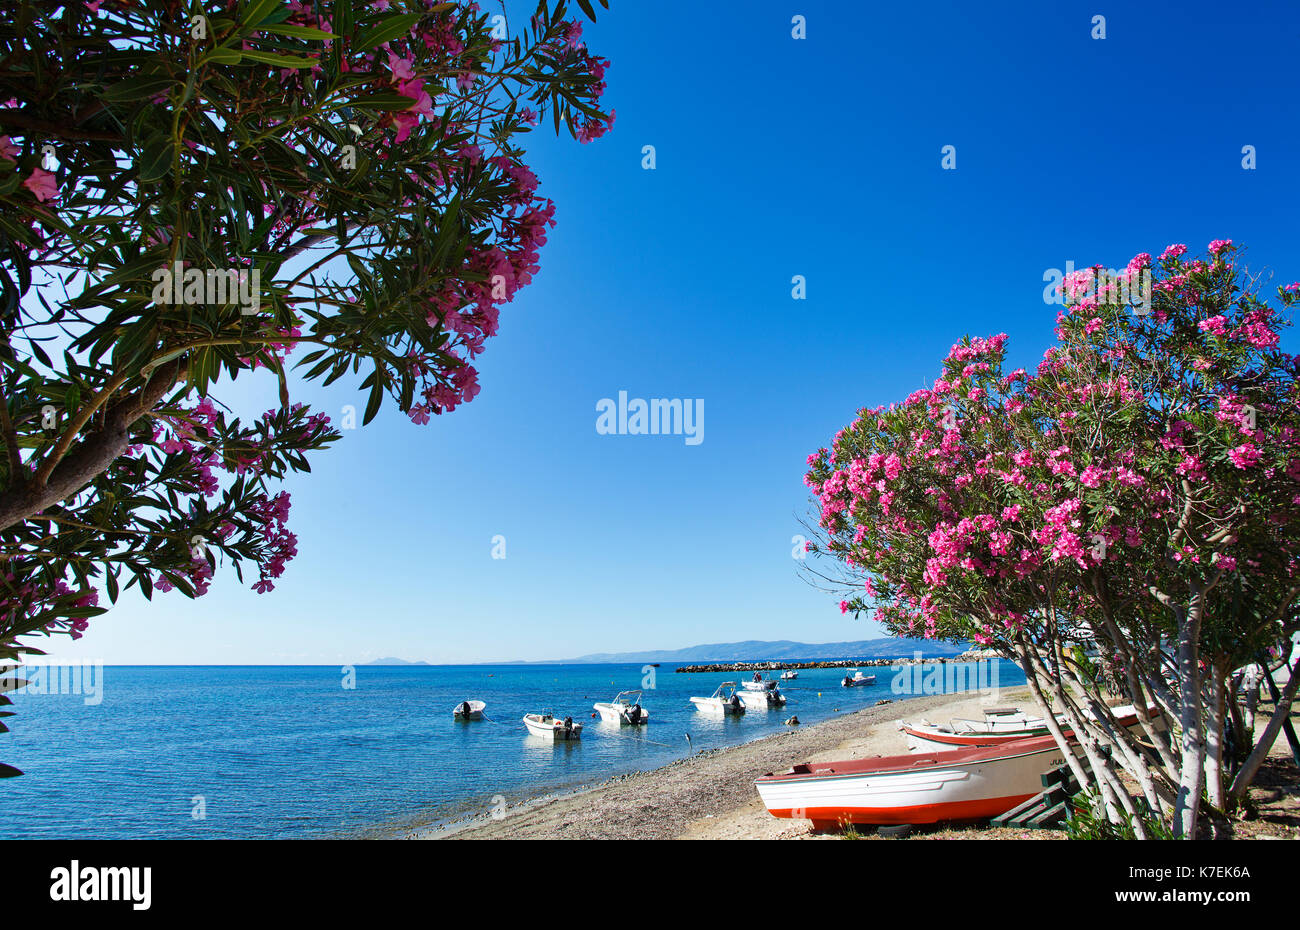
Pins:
x,y
775,157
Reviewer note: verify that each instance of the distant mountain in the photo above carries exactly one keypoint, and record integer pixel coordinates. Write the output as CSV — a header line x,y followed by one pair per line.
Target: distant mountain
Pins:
x,y
758,650
390,660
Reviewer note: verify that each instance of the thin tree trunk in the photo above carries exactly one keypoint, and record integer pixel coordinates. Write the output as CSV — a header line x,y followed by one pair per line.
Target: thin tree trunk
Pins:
x,y
1246,774
1188,806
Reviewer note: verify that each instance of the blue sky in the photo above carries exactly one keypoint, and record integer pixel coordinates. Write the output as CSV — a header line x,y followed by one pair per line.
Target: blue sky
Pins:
x,y
775,158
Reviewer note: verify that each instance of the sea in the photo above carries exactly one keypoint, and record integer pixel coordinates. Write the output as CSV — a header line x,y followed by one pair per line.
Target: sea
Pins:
x,y
372,751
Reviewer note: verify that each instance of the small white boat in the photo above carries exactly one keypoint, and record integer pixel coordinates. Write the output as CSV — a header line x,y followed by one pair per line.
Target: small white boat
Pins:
x,y
724,701
789,675
762,700
858,679
624,709
967,784
549,727
469,710
926,737
1000,720
758,683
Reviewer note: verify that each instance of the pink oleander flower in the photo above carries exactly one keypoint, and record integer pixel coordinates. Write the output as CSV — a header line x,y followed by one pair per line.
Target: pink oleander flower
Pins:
x,y
1245,455
8,149
1215,324
1174,251
1218,246
42,185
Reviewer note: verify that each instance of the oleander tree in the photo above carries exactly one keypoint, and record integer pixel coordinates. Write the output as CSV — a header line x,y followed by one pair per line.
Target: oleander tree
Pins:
x,y
1137,496
193,190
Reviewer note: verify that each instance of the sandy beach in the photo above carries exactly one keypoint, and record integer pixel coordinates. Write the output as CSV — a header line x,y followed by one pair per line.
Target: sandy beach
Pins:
x,y
711,794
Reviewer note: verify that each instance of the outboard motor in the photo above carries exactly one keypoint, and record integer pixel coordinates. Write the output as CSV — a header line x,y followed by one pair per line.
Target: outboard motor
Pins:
x,y
568,724
634,713
464,708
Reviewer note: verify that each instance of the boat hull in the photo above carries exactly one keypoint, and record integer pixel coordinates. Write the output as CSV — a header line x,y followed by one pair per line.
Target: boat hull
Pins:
x,y
613,713
718,708
552,731
965,785
925,738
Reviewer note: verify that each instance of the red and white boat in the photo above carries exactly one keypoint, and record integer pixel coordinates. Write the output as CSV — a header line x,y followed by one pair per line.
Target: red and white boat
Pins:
x,y
926,737
965,784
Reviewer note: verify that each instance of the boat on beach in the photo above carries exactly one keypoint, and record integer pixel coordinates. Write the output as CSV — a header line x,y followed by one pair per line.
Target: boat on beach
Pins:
x,y
858,679
960,785
469,710
550,727
926,737
723,701
1000,720
625,709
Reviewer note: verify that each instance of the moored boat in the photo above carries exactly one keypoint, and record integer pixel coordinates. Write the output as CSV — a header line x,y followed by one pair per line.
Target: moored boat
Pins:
x,y
550,727
858,679
724,701
789,674
762,700
962,785
469,710
624,709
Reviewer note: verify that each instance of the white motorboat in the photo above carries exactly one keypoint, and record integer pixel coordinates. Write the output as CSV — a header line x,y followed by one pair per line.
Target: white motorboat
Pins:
x,y
758,683
858,679
725,701
789,675
469,710
549,727
967,784
762,700
624,709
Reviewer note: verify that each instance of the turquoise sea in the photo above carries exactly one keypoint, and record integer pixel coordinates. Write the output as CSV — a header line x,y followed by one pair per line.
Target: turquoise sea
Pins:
x,y
292,752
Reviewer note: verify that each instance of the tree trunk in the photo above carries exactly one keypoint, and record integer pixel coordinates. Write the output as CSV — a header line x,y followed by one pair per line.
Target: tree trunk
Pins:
x,y
1257,756
1188,805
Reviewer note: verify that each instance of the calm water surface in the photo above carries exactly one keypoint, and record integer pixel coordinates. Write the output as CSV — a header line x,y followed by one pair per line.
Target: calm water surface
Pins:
x,y
284,752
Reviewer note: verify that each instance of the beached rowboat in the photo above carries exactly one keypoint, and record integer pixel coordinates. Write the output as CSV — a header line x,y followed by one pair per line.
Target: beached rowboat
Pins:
x,y
549,727
926,737
469,710
963,785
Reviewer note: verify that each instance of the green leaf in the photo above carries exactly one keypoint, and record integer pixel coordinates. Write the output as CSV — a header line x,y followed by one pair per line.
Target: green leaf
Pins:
x,y
223,56
259,10
376,398
392,27
299,32
279,61
155,160
138,88
382,102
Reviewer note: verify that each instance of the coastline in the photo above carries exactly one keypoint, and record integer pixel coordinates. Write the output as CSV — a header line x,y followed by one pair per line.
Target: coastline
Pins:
x,y
710,795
